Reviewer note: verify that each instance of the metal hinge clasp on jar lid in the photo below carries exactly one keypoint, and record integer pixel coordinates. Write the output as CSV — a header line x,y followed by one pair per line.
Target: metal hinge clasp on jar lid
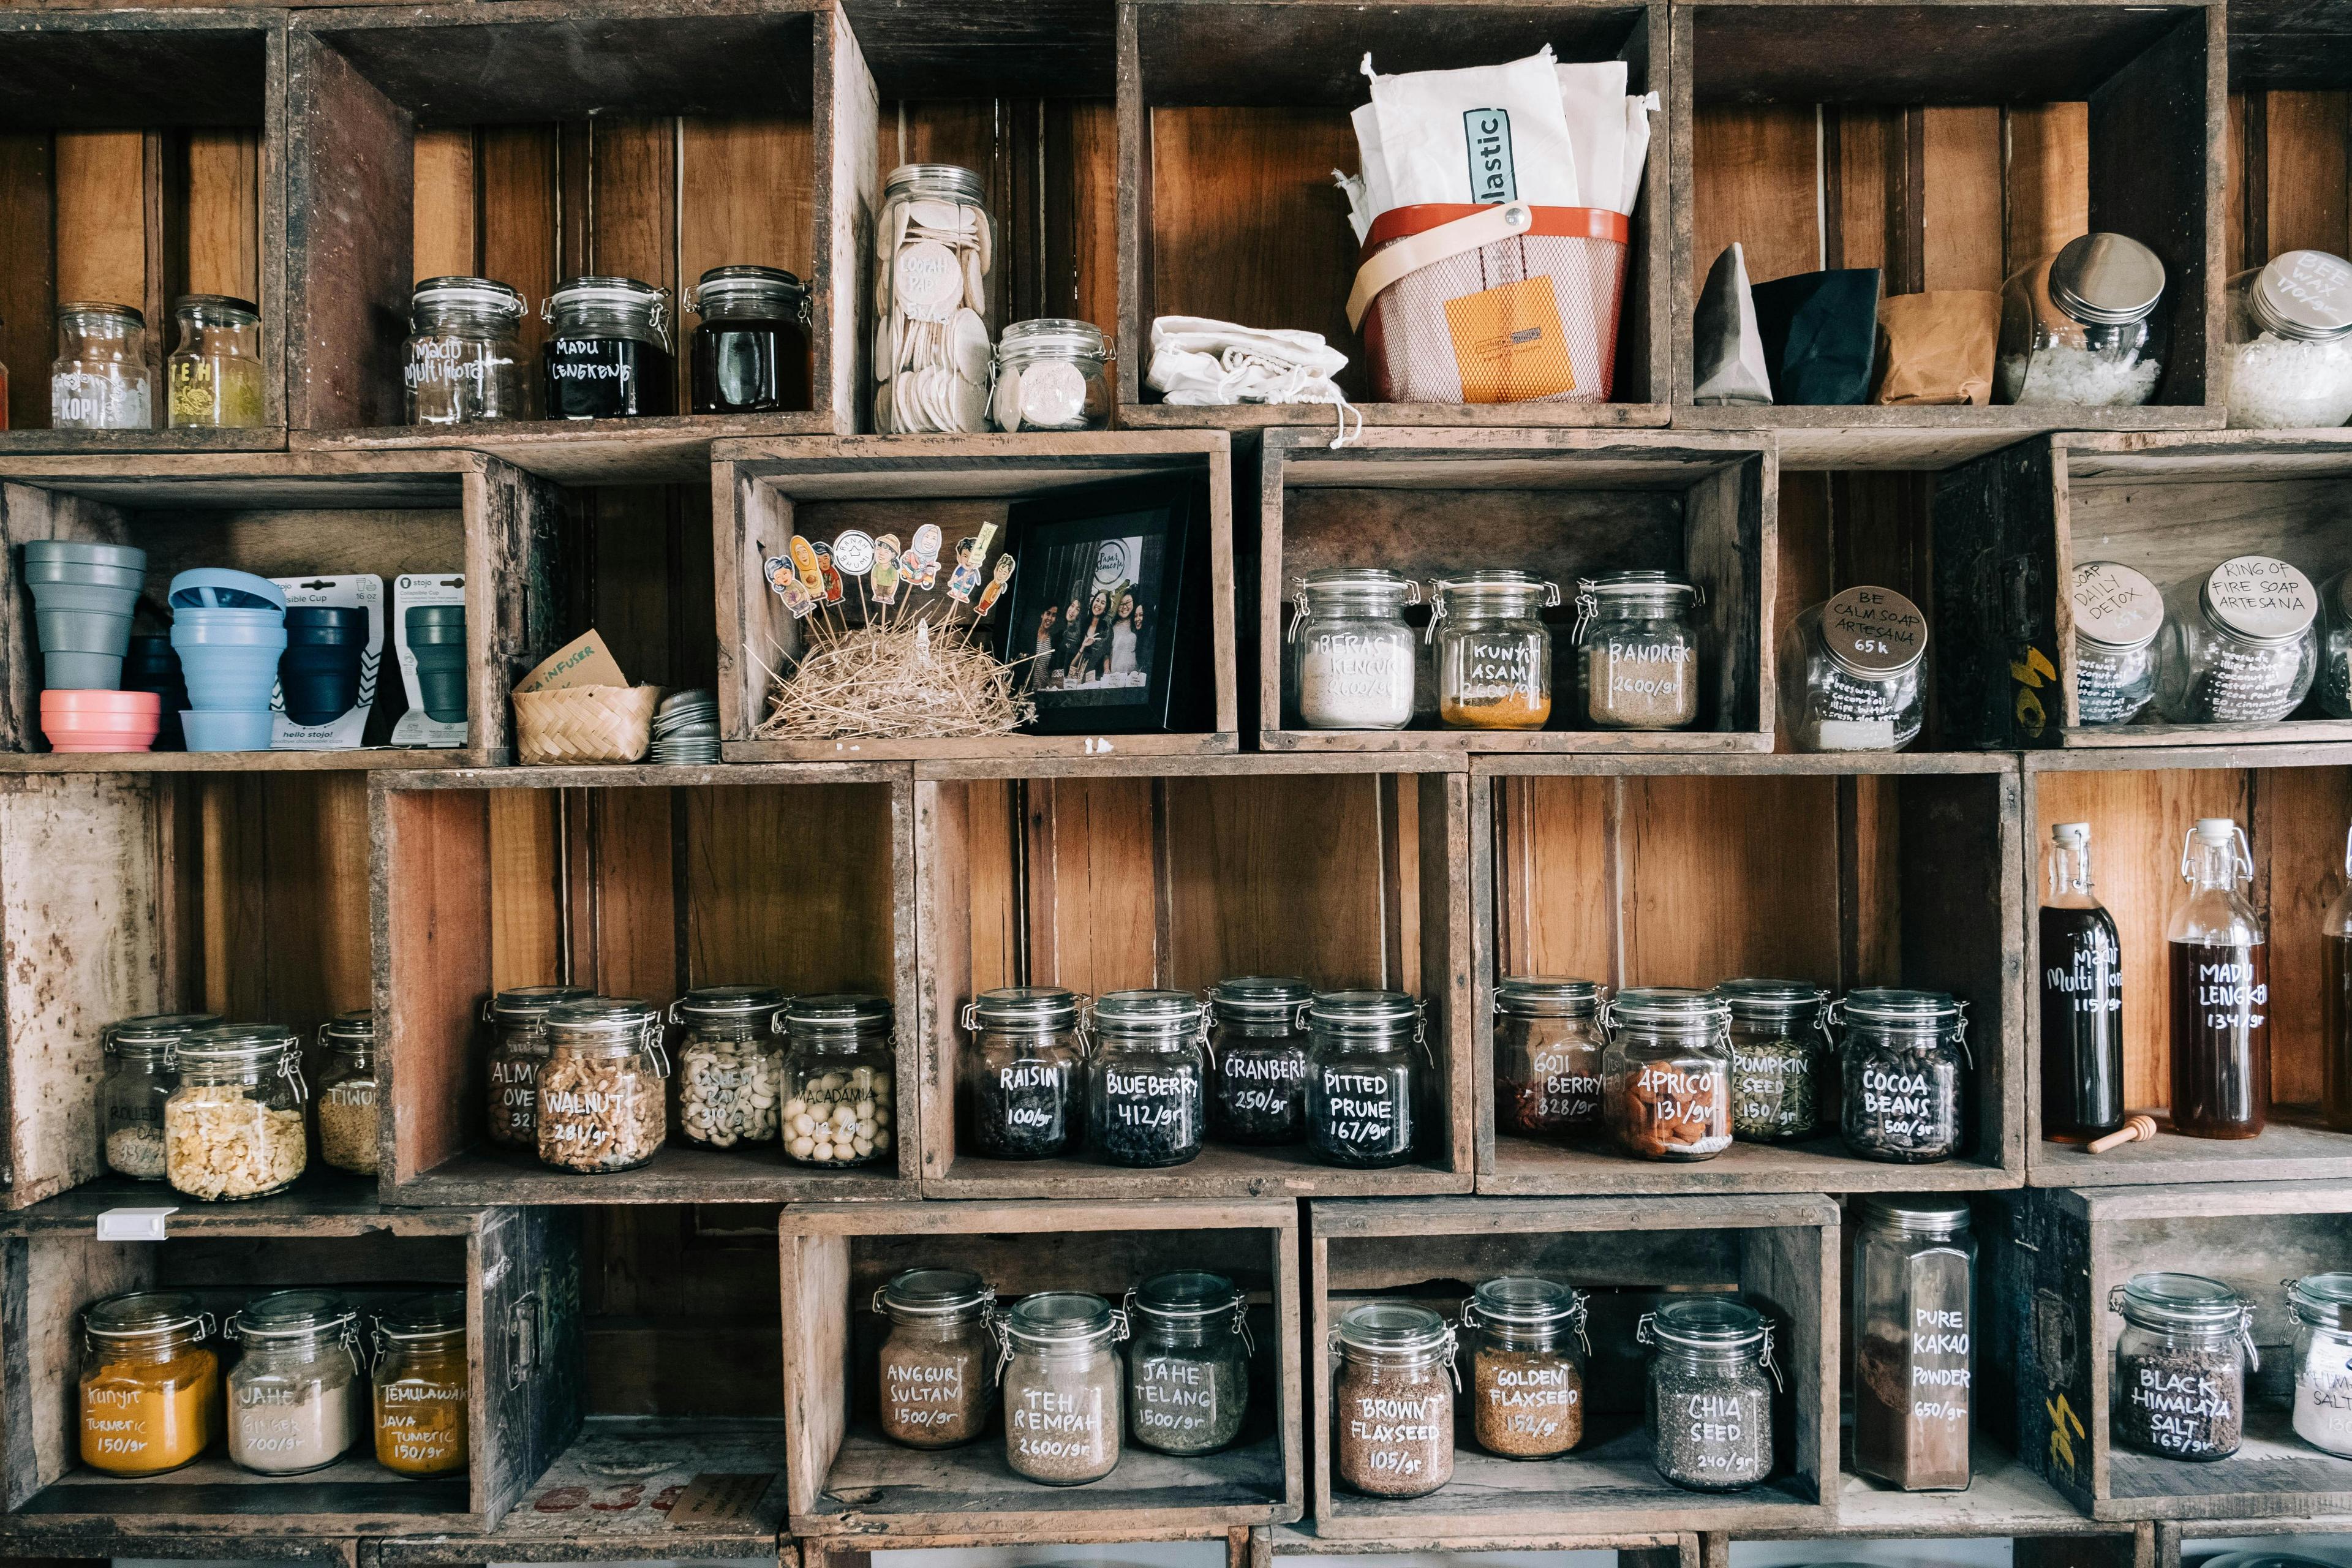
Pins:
x,y
1711,1325
1667,1008
1629,585
623,297
725,288
1399,1330
935,1293
1525,1301
1542,996
1913,1011
1529,591
2165,1302
1191,1295
1372,587
1026,1010
1056,1320
153,1037
245,1045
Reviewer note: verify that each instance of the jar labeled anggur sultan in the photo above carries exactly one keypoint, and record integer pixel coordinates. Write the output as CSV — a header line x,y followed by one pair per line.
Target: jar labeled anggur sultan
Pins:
x,y
151,1384
607,353
1024,1075
1528,1351
1494,651
1147,1094
1364,1068
2240,643
347,1106
1636,651
1712,1379
1913,1326
1782,1071
1063,1384
2322,1304
1352,658
1392,1400
422,1385
141,1073
2181,1365
1667,1073
602,1104
731,1064
1549,1046
1257,1059
516,1017
1902,1058
935,1377
463,361
2117,615
234,1127
1188,1361
297,1398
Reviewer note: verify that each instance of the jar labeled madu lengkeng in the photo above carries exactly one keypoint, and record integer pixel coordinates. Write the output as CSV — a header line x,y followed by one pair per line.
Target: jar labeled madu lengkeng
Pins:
x,y
607,353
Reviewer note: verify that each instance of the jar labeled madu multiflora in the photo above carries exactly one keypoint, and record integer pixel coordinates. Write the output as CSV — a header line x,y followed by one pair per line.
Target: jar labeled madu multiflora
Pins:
x,y
2117,615
1712,1379
347,1106
2287,361
215,370
1352,658
1052,374
1903,1062
2181,1365
841,1080
1392,1399
423,1389
150,1383
935,1377
1188,1361
1849,673
462,363
1494,651
234,1127
1527,1353
602,1101
751,350
2239,645
1147,1089
297,1397
516,1017
1063,1386
731,1064
1366,1058
1636,651
1549,1045
1782,1071
1023,1076
102,378
1913,1326
142,1070
1257,1059
607,353
2080,327
1667,1073
2322,1304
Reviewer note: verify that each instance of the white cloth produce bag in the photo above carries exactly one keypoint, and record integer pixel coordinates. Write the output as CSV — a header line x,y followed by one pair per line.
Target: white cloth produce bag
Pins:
x,y
1482,134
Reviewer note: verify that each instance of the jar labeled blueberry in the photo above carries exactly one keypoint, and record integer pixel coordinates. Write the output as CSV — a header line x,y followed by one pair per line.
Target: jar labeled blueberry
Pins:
x,y
1549,1046
1257,1059
608,354
2181,1365
1904,1057
1024,1076
1188,1361
1363,1078
750,353
1712,1380
462,360
1146,1096
2117,613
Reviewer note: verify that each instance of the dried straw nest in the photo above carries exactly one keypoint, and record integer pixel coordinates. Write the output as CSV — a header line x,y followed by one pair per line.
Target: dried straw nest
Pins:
x,y
916,679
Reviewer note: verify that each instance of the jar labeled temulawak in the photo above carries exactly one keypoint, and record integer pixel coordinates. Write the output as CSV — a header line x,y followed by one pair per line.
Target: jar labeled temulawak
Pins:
x,y
936,1374
1712,1379
2079,326
1392,1399
1188,1361
1849,673
1352,658
2181,1365
2117,615
2322,1304
1636,651
1494,651
2288,362
423,1387
1051,375
215,370
462,360
1063,1383
2239,645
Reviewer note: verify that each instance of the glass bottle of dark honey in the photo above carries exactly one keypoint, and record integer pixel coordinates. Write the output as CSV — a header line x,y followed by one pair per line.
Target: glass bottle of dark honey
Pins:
x,y
2220,991
2335,1006
2082,971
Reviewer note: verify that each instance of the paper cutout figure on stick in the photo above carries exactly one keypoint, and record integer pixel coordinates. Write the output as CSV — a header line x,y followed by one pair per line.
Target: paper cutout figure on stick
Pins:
x,y
987,597
922,560
788,586
804,563
824,570
885,570
972,554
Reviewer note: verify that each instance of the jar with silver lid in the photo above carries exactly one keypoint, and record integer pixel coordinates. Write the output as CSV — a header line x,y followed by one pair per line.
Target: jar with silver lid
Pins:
x,y
1783,1074
297,1397
2079,327
1668,1072
1711,1387
1914,1273
1494,651
141,1073
1352,658
934,243
1392,1399
608,350
1052,374
518,1049
935,1376
2181,1365
2117,613
1366,1084
840,1080
1636,651
2322,1305
215,371
1902,1059
462,363
602,1104
234,1127
1257,1059
2334,680
750,353
1062,1385
2287,362
102,378
347,1106
1549,1046
1527,1355
1023,1076
2240,643
1188,1360
1850,671
1147,1093
731,1064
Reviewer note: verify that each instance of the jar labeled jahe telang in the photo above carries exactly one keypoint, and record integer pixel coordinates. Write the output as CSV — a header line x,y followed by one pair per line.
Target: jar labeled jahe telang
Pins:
x,y
1188,1360
936,1374
1494,651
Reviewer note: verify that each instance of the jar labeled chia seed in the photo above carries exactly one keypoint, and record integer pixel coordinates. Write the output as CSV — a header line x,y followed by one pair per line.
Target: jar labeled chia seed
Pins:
x,y
1062,1385
1257,1059
1667,1073
1188,1361
1024,1075
1147,1086
1364,1078
518,1051
1392,1400
1549,1046
1712,1379
935,1376
1782,1069
1527,1352
2181,1365
1903,1057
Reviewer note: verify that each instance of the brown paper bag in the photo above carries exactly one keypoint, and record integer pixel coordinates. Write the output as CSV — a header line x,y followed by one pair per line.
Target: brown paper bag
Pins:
x,y
1939,347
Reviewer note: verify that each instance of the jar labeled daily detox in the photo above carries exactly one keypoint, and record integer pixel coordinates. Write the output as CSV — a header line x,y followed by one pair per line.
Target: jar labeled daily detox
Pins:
x,y
215,371
1147,1093
150,1386
1549,1046
102,378
1061,1383
1914,1327
422,1386
463,363
1352,658
1849,673
935,1377
1493,652
1782,1071
1527,1352
1364,1066
1392,1399
751,351
1712,1379
1188,1361
234,1127
1024,1075
2181,1365
1636,651
607,353
2322,1304
2239,645
2288,364
1903,1057
1667,1073
347,1104
2117,615
1257,1059
731,1064
1052,374
518,1018
295,1398
602,1105
142,1070
841,1080
2078,328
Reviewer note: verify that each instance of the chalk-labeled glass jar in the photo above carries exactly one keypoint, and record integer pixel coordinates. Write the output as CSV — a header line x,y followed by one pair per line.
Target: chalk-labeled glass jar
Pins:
x,y
608,350
731,1064
141,1073
234,1127
215,371
1257,1059
840,1080
2181,1365
751,351
518,1018
602,1104
295,1397
1052,374
1902,1059
1527,1352
935,1377
1494,651
1188,1361
1549,1045
347,1106
1667,1073
2117,615
1636,651
462,363
102,378
422,1385
934,244
1353,657
2239,645
1782,1071
2287,361
1849,673
2334,682
2322,1304
151,1384
1063,1384
1365,1059
1913,1326
2079,326
1712,1379
1024,1076
1146,1083
1392,1400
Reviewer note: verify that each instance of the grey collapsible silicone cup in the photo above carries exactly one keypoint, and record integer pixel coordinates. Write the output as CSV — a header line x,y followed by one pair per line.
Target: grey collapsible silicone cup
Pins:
x,y
437,641
83,596
241,731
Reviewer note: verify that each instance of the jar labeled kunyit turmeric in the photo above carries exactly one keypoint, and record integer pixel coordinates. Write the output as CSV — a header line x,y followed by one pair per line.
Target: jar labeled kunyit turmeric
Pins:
x,y
150,1391
421,1384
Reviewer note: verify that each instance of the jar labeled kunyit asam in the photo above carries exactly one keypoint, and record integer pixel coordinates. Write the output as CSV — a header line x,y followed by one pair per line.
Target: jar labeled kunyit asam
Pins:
x,y
1548,1050
935,1376
1494,651
1636,651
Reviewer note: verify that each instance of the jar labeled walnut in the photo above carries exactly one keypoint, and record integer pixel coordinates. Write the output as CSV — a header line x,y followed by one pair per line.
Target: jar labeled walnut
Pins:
x,y
234,1127
1668,1073
1392,1400
518,1018
1527,1367
934,1379
729,1063
1549,1045
600,1101
840,1080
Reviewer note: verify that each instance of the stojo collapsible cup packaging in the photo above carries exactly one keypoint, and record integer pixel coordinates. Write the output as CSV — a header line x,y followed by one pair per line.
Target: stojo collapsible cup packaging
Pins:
x,y
83,595
334,652
229,629
428,631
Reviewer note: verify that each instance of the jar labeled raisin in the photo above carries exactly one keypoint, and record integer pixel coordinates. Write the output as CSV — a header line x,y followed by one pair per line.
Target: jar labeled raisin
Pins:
x,y
1903,1057
608,353
1636,651
1782,1069
1549,1046
1024,1075
1257,1059
1392,1400
1712,1379
936,1376
1493,652
1188,1361
1527,1352
1667,1073
840,1080
2181,1365
731,1064
750,353
1147,1095
1364,1078
518,1049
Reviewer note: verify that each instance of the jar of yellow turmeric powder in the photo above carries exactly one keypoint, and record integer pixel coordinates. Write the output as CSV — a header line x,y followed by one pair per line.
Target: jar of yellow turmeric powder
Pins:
x,y
421,1384
151,1390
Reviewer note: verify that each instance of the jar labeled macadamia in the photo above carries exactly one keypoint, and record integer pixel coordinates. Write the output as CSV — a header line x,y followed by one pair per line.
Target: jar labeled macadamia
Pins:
x,y
1668,1073
602,1105
1527,1351
1710,1404
731,1064
1392,1400
1549,1046
1636,651
1063,1384
840,1080
936,1378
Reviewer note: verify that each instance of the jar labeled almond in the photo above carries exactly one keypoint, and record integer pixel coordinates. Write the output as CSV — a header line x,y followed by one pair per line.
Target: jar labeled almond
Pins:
x,y
1392,1400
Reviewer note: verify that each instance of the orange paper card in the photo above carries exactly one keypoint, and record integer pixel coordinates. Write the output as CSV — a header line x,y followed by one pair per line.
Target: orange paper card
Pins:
x,y
1508,343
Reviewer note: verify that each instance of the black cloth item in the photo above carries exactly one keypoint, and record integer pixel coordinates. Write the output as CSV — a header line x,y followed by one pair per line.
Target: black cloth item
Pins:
x,y
1820,332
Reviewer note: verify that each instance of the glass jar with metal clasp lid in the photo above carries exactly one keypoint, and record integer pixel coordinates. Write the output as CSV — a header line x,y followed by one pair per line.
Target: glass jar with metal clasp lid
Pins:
x,y
1849,673
2117,615
142,1070
1528,1351
750,353
1667,1073
1548,1050
1063,1386
1147,1085
462,364
1494,651
608,350
424,1387
2322,1304
601,1102
2286,361
234,1127
2080,326
1712,1381
215,371
516,1017
297,1397
731,1064
1188,1360
934,243
102,378
1783,1067
1392,1399
1367,1061
2181,1365
840,1079
2240,643
1257,1059
1352,659
1903,1063
1023,1087
1052,374
1637,651
150,1390
935,1375
346,1106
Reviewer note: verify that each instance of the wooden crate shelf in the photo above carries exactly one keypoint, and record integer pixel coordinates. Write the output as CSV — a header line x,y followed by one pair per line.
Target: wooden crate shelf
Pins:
x,y
845,1475
520,1269
797,877
1782,1252
1563,504
1150,877
1635,1549
1767,868
764,492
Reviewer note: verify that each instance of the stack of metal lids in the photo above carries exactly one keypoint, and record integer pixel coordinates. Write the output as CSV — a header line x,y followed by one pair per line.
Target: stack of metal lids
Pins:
x,y
686,729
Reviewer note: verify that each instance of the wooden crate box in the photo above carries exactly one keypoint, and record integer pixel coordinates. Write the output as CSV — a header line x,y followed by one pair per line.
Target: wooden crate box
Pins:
x,y
457,513
1634,1549
844,1475
1347,871
1948,145
2295,804
520,1269
1562,504
1232,117
161,172
653,139
2011,529
1780,1253
1842,871
635,881
765,492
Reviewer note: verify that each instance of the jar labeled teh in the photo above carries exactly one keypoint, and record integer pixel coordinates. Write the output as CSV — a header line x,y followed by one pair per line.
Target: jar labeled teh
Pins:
x,y
1023,1076
1712,1381
1902,1058
1257,1059
1493,649
1147,1097
518,1018
936,1375
234,1127
463,363
1636,651
346,1105
142,1070
1392,1399
215,371
840,1080
1548,1056
1527,1353
1365,1066
1352,659
602,1103
1063,1386
2181,1365
1188,1361
730,1062
1667,1073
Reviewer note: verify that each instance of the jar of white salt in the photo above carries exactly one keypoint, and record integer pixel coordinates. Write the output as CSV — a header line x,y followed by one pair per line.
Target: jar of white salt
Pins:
x,y
2079,326
1352,656
2288,364
2323,1361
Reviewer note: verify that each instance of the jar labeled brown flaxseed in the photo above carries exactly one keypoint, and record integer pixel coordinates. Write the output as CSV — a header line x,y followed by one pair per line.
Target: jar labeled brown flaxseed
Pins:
x,y
1392,1400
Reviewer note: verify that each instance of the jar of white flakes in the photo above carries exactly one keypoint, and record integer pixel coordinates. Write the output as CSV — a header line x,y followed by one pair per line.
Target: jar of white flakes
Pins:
x,y
731,1064
2288,362
840,1080
141,1073
2079,327
234,1127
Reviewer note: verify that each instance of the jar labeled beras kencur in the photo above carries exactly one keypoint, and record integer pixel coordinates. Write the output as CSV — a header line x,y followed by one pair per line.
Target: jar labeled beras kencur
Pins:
x,y
2117,615
2181,1365
1783,1074
936,1374
1063,1386
1364,1078
840,1080
463,361
1667,1073
516,1017
1494,651
1188,1361
1849,673
1147,1092
2240,643
1257,1059
1527,1353
1712,1381
1549,1046
141,1073
1392,1400
1636,651
731,1064
602,1101
1903,1059
1352,659
1023,1076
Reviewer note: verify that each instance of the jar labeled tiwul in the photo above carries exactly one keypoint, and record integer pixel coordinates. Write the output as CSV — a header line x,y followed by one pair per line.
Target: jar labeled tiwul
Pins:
x,y
1548,1050
518,1018
346,1105
1667,1073
1493,652
151,1385
841,1083
600,1101
234,1127
141,1073
423,1387
1024,1076
729,1063
935,1377
1392,1400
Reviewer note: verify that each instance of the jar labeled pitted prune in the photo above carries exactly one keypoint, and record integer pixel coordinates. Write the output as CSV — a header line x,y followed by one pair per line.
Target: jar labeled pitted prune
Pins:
x,y
1024,1076
1257,1059
1903,1059
1364,1071
608,353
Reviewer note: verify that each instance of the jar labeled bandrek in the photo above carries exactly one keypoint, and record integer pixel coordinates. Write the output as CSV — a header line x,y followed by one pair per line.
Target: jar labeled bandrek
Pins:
x,y
1352,658
1636,651
1257,1059
1493,649
2240,643
1849,673
2180,1366
2117,615
1024,1081
1549,1045
463,363
2080,327
215,370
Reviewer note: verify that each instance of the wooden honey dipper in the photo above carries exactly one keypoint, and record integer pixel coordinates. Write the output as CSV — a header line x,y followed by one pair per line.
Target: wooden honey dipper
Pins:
x,y
2136,1127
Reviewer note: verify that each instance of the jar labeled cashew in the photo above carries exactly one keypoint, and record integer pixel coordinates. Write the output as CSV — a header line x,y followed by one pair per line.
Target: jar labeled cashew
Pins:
x,y
730,1064
234,1127
601,1099
840,1082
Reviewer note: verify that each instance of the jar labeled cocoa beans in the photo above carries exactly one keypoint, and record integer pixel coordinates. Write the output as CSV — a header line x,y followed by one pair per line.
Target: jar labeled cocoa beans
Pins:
x,y
1668,1073
1392,1400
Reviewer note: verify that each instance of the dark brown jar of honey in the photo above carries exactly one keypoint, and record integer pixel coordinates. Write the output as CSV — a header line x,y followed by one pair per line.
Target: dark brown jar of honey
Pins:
x,y
750,353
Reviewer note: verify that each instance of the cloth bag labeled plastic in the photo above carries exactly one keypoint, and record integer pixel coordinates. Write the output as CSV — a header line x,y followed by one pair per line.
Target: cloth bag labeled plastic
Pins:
x,y
1821,335
1726,350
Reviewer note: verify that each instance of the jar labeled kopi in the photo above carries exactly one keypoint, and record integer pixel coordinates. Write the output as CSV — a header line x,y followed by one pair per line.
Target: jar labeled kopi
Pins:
x,y
1062,1382
1188,1361
516,1017
1782,1071
1903,1057
1850,671
2181,1365
2322,1304
1147,1092
102,378
297,1398
2239,645
1352,659
2117,615
1712,1379
731,1064
1636,651
1913,1326
1024,1074
602,1104
215,371
234,1127
2287,363
936,1376
1667,1073
2079,327
1364,1074
607,353
1528,1351
423,1388
1392,1400
840,1080
150,1390
1052,374
463,363
750,351
141,1073
1493,652
1549,1046
1257,1059
346,1106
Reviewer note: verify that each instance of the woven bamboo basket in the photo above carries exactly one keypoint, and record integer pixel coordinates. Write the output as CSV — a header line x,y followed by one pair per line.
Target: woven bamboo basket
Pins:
x,y
585,723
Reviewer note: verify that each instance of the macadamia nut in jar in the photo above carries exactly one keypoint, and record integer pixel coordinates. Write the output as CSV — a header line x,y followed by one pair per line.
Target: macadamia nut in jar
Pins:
x,y
840,1080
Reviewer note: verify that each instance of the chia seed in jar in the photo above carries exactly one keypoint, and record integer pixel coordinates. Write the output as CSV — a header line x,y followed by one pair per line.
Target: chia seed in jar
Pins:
x,y
1711,1403
1258,1060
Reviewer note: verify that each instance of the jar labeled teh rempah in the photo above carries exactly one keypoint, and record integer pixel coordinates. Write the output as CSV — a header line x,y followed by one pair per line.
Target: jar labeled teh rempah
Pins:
x,y
607,353
463,363
750,353
1364,1068
1063,1386
2117,615
1147,1094
1188,1361
2181,1365
2239,645
1352,658
1549,1049
1636,651
1022,1076
2079,327
1712,1379
1257,1059
936,1375
1902,1058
